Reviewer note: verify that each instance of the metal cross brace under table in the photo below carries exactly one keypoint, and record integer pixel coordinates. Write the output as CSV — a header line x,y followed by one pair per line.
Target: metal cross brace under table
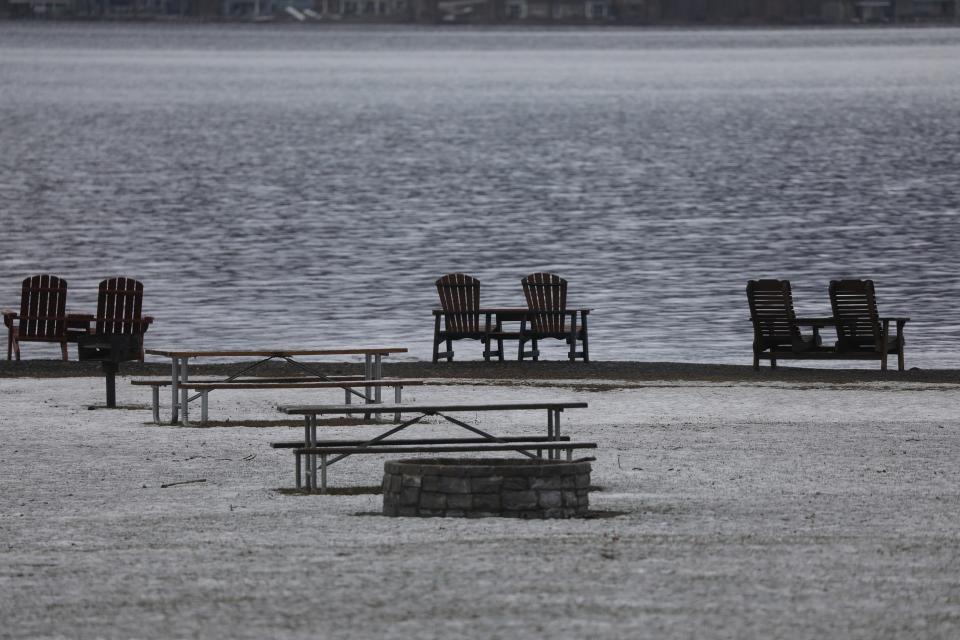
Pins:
x,y
180,398
310,413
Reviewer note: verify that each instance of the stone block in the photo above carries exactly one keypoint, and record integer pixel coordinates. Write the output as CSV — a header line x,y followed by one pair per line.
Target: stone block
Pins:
x,y
486,502
432,501
409,497
462,501
391,510
551,499
519,500
489,484
583,480
411,481
407,512
569,482
455,513
432,513
515,484
454,485
570,499
549,482
430,483
396,483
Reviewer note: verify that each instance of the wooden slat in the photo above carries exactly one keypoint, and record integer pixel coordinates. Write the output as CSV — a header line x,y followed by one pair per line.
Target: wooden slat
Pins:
x,y
460,300
166,382
299,444
279,353
329,409
771,310
343,384
119,306
449,448
855,313
43,300
546,295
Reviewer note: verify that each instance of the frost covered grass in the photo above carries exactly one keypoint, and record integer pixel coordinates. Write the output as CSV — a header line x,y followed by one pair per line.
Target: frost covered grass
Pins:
x,y
749,510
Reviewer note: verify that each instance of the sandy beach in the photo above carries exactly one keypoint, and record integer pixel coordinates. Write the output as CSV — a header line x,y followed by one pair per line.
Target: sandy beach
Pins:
x,y
734,507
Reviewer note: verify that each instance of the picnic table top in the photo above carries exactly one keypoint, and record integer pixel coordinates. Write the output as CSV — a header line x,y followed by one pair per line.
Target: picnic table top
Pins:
x,y
264,353
518,310
328,409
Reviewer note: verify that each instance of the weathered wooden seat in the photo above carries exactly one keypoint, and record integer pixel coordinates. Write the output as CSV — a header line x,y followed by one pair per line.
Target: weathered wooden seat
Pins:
x,y
776,329
347,383
42,316
460,301
119,303
861,332
548,317
516,444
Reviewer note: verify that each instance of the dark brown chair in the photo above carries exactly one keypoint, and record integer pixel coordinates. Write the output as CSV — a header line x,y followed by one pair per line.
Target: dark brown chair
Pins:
x,y
460,303
861,332
42,316
548,317
119,305
776,330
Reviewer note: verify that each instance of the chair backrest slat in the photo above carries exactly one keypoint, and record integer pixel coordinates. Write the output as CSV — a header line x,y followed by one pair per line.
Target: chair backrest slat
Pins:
x,y
771,310
460,301
546,295
43,300
854,304
119,305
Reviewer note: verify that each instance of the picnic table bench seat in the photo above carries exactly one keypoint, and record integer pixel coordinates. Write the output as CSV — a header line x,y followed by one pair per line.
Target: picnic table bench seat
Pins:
x,y
339,451
347,383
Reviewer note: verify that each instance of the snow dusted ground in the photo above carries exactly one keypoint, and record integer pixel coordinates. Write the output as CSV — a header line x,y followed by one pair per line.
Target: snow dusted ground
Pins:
x,y
749,511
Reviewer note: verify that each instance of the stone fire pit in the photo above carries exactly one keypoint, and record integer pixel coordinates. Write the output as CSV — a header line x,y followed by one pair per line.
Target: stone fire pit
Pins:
x,y
480,488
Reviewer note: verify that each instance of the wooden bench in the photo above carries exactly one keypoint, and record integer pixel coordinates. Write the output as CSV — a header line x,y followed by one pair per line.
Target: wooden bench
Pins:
x,y
522,445
347,383
552,442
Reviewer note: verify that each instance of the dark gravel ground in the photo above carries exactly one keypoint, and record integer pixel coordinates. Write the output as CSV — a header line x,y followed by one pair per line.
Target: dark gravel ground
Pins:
x,y
549,370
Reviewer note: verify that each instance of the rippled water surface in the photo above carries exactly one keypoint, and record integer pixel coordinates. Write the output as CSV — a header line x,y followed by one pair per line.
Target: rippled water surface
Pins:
x,y
291,186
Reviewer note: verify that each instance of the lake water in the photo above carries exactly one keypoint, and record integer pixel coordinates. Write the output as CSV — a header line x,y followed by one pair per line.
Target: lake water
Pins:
x,y
286,185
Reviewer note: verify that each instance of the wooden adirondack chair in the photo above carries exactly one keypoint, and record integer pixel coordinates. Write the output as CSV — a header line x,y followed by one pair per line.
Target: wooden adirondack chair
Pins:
x,y
548,317
118,310
861,332
42,316
776,330
460,302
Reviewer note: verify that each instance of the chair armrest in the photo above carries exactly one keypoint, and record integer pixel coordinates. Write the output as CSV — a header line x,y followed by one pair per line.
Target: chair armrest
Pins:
x,y
897,319
9,316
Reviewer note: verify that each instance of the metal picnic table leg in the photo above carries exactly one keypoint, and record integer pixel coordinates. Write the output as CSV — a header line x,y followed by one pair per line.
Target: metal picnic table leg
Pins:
x,y
174,380
184,400
556,431
313,457
550,432
156,404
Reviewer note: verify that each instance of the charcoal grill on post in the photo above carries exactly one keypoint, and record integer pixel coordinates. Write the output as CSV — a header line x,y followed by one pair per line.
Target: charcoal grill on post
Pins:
x,y
110,351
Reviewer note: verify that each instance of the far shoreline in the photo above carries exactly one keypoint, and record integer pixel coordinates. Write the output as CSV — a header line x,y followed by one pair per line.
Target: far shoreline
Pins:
x,y
626,371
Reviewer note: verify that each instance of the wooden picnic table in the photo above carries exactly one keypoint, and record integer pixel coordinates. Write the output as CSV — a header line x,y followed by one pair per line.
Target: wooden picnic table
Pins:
x,y
180,398
420,411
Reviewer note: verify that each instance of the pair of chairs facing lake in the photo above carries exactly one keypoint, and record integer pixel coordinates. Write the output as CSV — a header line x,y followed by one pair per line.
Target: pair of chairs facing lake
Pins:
x,y
862,334
43,316
546,316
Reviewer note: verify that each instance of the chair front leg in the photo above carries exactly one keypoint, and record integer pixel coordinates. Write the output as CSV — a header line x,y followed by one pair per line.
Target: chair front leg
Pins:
x,y
883,345
900,344
436,338
522,338
573,336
